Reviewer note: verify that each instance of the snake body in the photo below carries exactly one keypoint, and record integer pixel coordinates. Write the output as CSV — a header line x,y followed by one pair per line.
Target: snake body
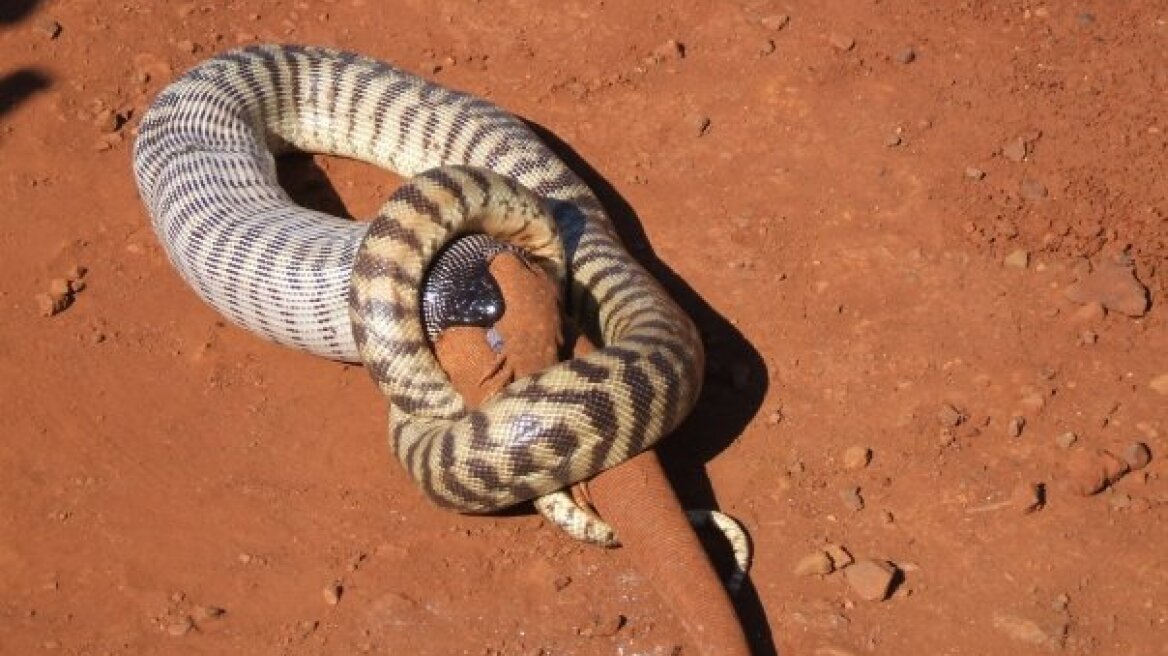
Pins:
x,y
204,162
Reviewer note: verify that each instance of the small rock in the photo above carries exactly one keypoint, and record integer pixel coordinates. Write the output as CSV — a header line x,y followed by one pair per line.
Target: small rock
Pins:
x,y
1113,285
1066,440
50,28
332,593
1088,337
852,499
892,140
671,49
107,120
871,579
202,613
1159,384
1090,471
561,582
49,305
974,173
842,42
815,563
1015,425
775,22
181,626
1060,603
1032,190
775,418
1137,455
75,272
1017,259
766,48
187,46
906,56
603,627
1028,497
1016,149
857,457
700,124
59,287
949,416
840,557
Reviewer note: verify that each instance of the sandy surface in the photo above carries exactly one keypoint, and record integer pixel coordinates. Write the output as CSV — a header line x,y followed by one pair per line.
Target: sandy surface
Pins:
x,y
874,211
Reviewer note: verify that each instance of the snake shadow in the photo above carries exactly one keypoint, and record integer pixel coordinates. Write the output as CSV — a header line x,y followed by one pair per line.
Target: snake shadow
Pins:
x,y
735,385
13,11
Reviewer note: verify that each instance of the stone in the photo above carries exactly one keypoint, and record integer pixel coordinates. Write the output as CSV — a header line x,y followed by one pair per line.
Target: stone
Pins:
x,y
1066,440
949,416
905,56
840,557
852,499
775,22
870,579
974,173
1032,190
1137,455
1015,425
332,593
841,42
1016,149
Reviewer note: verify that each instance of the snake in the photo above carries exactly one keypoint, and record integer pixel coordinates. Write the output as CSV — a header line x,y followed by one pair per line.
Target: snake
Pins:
x,y
205,164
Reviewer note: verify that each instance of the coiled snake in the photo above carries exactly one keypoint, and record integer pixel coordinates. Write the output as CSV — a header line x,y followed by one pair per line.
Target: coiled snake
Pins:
x,y
204,162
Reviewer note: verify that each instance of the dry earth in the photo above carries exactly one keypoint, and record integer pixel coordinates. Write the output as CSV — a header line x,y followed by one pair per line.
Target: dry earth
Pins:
x,y
877,211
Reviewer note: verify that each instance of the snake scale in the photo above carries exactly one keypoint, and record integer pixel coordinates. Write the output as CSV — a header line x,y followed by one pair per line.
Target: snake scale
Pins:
x,y
205,166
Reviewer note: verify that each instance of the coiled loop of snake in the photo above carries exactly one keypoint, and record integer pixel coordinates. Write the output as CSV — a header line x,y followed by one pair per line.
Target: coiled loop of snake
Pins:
x,y
205,168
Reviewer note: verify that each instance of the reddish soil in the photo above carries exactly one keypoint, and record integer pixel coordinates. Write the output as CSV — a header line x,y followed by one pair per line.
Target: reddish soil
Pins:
x,y
876,249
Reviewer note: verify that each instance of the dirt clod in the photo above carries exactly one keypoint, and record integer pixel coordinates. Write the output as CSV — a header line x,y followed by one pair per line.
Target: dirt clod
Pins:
x,y
1017,259
1115,287
815,563
871,580
181,626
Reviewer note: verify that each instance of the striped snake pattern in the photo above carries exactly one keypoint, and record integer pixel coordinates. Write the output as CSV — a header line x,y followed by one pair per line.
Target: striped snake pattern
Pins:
x,y
204,162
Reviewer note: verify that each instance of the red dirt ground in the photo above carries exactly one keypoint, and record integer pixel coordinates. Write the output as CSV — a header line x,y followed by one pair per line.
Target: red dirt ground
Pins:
x,y
804,191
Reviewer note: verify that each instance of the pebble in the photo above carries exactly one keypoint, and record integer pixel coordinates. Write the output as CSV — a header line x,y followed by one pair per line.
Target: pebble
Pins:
x,y
892,140
1017,259
974,173
51,29
1028,497
332,593
1015,425
840,557
766,48
59,287
1016,149
1066,440
871,579
775,22
1114,286
1137,455
200,613
857,457
906,56
187,46
671,49
814,563
1032,190
700,124
852,499
1020,629
1091,470
1159,384
842,42
181,626
1088,337
604,627
49,305
950,416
